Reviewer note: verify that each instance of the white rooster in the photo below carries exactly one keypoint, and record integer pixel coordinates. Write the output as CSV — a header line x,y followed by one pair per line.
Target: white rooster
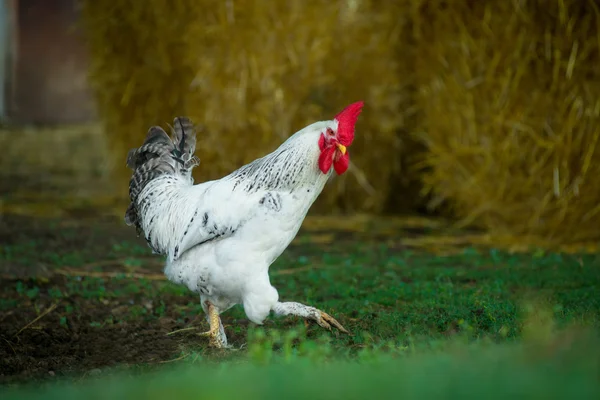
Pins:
x,y
220,237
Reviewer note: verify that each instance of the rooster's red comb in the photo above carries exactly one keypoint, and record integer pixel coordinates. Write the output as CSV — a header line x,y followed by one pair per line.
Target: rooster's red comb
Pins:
x,y
346,121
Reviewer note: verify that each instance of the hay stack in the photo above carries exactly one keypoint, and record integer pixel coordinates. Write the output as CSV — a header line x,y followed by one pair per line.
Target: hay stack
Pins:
x,y
510,113
140,66
253,73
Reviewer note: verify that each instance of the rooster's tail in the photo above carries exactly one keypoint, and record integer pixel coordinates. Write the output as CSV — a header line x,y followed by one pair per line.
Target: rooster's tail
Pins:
x,y
160,155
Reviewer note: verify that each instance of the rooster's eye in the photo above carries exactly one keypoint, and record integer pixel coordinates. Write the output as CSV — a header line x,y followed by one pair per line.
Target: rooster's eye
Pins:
x,y
330,131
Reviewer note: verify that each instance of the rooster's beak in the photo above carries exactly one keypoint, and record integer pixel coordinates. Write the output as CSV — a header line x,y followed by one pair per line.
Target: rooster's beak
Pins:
x,y
341,148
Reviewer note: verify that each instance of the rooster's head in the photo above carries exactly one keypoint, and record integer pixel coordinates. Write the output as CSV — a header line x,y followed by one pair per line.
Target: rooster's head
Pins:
x,y
336,138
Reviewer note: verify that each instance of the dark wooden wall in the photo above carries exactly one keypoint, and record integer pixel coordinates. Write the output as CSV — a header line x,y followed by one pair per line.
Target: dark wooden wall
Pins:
x,y
49,78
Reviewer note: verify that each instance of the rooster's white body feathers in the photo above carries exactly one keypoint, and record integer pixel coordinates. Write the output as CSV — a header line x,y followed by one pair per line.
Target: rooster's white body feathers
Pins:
x,y
220,237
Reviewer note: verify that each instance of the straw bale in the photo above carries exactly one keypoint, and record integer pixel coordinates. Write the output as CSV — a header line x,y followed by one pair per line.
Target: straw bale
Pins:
x,y
252,73
510,113
139,66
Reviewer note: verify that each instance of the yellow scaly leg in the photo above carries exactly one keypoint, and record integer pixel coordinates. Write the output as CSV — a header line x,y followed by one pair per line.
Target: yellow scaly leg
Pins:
x,y
213,334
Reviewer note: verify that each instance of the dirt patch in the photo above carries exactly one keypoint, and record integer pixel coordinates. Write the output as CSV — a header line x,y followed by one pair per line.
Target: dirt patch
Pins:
x,y
43,337
53,325
51,350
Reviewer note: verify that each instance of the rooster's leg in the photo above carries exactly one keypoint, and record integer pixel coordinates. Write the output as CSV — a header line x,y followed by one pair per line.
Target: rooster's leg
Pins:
x,y
216,334
323,319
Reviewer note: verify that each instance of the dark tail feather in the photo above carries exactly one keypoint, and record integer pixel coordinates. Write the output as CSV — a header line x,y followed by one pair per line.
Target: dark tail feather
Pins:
x,y
160,155
156,144
185,144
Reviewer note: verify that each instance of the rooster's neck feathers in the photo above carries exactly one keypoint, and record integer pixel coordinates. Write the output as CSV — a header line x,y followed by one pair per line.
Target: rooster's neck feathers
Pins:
x,y
292,166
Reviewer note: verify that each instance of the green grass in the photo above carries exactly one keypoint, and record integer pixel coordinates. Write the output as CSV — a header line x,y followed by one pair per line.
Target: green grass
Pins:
x,y
380,295
563,366
422,326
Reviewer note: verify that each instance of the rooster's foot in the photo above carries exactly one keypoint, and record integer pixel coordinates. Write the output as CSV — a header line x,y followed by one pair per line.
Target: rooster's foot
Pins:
x,y
320,317
325,320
